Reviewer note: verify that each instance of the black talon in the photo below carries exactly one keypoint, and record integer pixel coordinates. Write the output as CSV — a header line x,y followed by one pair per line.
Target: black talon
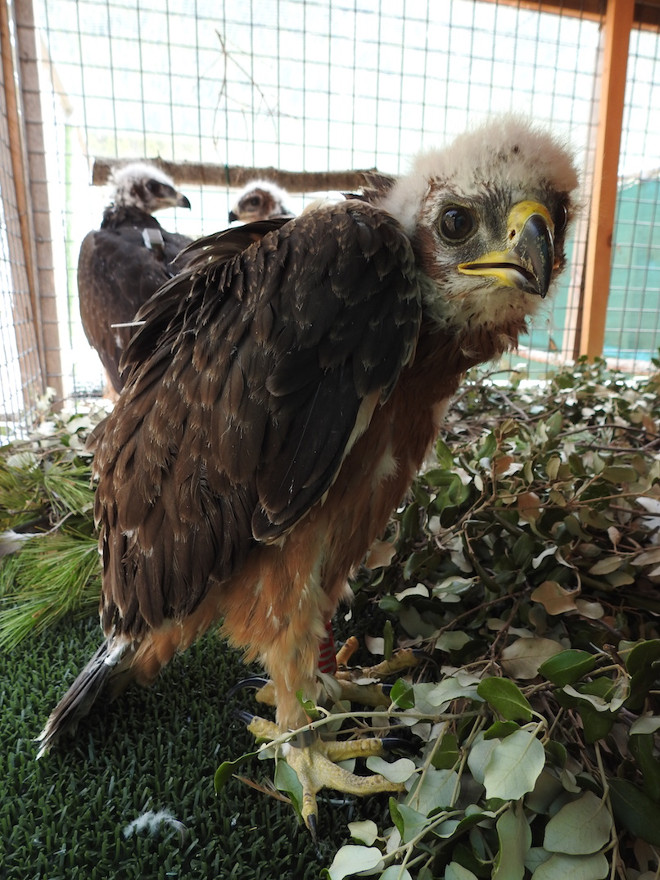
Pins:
x,y
312,826
254,681
399,744
244,716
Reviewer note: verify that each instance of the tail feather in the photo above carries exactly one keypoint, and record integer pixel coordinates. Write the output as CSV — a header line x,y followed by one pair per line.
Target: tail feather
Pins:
x,y
90,684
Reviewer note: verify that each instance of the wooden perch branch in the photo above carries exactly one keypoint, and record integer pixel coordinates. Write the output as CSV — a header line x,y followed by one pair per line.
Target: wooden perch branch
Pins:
x,y
236,176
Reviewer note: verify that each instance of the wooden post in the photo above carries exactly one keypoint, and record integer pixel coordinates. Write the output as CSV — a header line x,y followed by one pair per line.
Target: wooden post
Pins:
x,y
16,211
39,241
618,23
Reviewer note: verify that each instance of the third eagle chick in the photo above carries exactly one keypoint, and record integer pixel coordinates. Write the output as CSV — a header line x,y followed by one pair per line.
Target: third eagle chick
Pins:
x,y
260,200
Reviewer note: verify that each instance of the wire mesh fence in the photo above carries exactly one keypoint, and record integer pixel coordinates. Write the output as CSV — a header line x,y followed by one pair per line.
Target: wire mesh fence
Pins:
x,y
633,319
21,373
311,86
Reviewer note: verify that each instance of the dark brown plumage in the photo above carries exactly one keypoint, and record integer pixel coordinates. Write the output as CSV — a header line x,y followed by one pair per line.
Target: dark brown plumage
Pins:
x,y
283,392
124,262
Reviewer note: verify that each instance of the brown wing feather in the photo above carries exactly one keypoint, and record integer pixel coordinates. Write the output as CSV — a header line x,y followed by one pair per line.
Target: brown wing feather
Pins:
x,y
238,422
117,274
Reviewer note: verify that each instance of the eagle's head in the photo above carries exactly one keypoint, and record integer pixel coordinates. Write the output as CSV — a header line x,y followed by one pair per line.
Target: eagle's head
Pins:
x,y
487,217
259,200
145,187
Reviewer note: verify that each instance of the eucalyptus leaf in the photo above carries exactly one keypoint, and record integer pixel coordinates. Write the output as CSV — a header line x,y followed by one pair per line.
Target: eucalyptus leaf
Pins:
x,y
597,724
599,703
514,766
635,810
567,666
402,694
504,696
452,641
433,790
389,604
562,867
580,827
642,664
645,724
365,831
515,837
413,822
226,770
395,771
523,658
456,871
536,856
554,598
450,688
642,748
618,475
308,706
352,859
606,564
480,755
500,729
592,610
447,754
546,791
395,872
286,779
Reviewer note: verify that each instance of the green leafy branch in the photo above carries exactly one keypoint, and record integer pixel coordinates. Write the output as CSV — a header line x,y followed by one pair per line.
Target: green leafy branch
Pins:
x,y
49,563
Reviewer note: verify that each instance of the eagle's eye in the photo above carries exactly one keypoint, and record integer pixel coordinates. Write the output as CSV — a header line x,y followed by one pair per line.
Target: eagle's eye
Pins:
x,y
561,218
254,201
456,223
152,186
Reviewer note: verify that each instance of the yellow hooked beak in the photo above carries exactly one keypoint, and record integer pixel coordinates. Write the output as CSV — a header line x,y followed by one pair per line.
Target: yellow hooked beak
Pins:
x,y
528,261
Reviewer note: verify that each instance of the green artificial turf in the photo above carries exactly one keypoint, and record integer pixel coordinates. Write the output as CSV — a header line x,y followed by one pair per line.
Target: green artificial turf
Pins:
x,y
66,816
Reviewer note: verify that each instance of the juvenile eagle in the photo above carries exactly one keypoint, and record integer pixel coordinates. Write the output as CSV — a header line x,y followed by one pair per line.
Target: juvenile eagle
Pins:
x,y
284,391
260,200
124,262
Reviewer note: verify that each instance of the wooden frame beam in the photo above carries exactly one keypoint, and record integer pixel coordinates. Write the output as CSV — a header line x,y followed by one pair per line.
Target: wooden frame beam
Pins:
x,y
646,13
236,176
617,26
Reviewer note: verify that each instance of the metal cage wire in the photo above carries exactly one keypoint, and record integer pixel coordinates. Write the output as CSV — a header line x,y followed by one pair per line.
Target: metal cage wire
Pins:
x,y
313,85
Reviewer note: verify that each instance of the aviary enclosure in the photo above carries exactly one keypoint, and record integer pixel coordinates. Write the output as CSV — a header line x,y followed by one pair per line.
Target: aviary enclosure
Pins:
x,y
544,495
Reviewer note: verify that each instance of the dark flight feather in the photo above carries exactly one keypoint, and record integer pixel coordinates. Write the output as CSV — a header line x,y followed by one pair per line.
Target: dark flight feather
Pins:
x,y
118,272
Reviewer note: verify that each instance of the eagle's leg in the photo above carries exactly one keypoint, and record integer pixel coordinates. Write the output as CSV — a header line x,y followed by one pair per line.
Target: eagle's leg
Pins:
x,y
314,759
314,762
357,684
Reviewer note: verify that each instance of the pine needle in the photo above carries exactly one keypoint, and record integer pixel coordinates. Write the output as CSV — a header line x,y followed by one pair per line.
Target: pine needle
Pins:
x,y
34,487
68,487
52,576
46,513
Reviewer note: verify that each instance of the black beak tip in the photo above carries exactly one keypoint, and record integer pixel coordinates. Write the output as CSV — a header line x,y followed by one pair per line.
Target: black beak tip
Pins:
x,y
536,247
184,202
232,217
